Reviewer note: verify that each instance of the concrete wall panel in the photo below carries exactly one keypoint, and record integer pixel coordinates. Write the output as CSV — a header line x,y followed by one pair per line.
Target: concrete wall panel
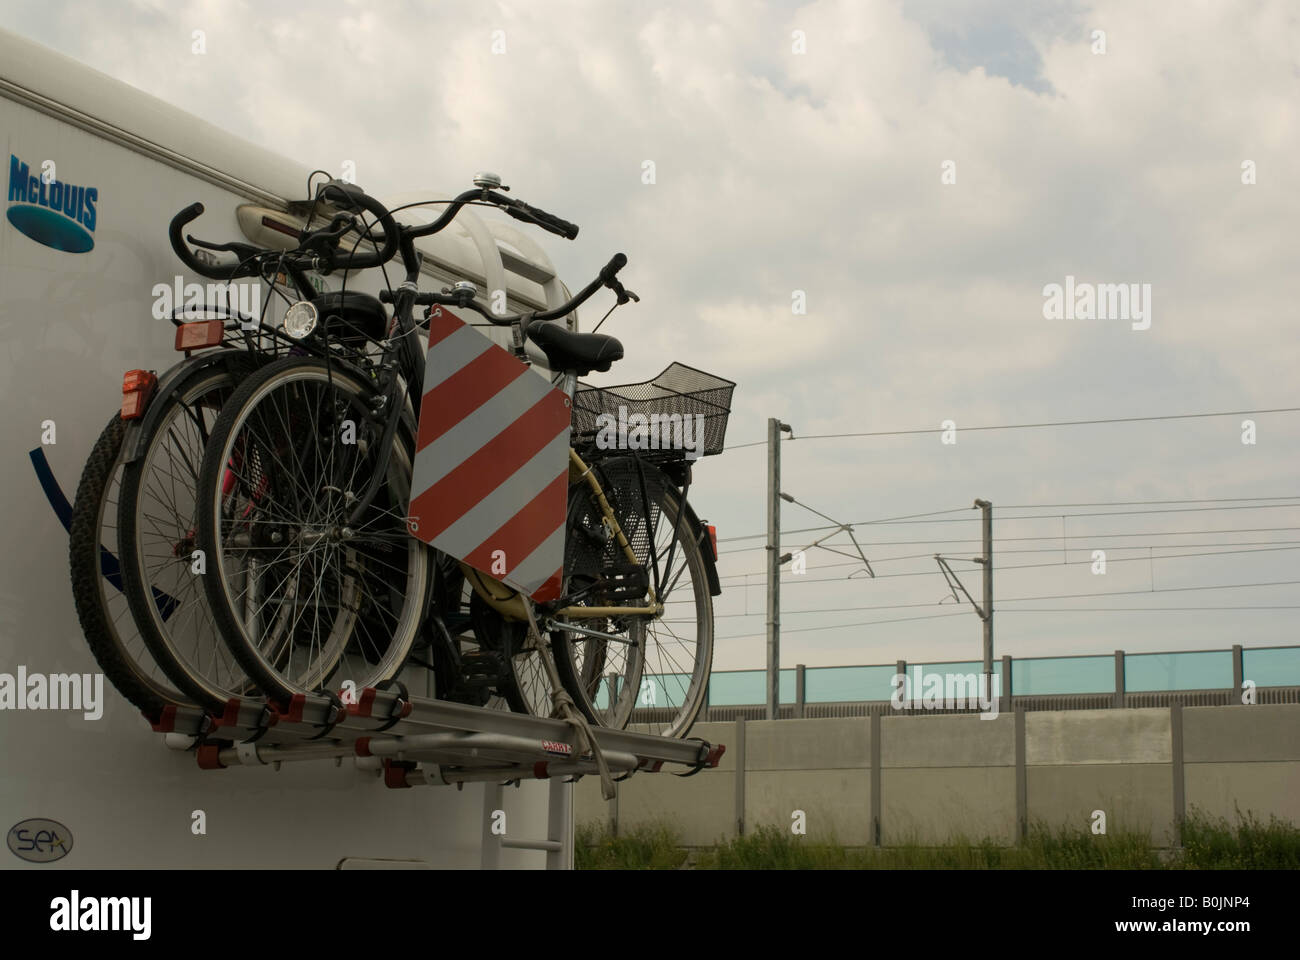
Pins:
x,y
935,805
1098,736
1134,796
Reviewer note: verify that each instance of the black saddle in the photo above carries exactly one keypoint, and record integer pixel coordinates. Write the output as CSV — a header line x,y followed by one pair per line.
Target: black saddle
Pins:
x,y
352,316
579,352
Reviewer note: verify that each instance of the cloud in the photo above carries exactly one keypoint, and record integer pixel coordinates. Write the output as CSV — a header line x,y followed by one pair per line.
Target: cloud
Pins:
x,y
821,172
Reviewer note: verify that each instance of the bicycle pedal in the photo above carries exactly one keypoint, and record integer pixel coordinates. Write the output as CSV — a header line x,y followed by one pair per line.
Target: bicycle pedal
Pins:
x,y
623,581
480,668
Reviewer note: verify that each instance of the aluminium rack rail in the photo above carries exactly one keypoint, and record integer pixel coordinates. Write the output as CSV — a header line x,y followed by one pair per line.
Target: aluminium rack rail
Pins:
x,y
418,741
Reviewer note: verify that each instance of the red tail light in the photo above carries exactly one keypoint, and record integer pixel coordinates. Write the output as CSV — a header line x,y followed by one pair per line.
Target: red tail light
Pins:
x,y
197,336
713,541
137,389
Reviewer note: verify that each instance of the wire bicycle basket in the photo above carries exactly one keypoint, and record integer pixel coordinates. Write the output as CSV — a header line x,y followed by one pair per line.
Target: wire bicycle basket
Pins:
x,y
659,407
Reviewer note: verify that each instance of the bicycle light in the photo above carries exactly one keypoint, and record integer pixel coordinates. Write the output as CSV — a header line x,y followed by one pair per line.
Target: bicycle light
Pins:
x,y
137,388
300,319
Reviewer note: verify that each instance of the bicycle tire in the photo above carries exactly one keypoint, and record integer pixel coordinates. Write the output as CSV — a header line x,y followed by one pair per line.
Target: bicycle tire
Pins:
x,y
180,637
245,429
581,660
111,635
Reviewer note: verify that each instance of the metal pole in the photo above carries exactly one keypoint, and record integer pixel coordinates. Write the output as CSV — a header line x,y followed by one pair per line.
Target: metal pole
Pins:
x,y
987,509
490,857
559,826
773,567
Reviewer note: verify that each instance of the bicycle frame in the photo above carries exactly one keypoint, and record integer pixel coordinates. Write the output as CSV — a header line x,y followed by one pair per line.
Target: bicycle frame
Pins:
x,y
403,359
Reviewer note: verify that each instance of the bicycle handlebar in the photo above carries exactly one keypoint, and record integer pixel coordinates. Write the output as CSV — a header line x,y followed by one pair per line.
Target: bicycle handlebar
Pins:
x,y
353,196
465,298
316,245
187,256
547,221
321,245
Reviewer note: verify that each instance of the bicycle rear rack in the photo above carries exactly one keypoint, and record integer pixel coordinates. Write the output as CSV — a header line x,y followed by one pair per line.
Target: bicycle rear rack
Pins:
x,y
417,741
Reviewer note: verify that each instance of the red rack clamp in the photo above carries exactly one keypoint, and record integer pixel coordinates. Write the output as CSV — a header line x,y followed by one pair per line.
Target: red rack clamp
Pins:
x,y
209,756
166,722
395,772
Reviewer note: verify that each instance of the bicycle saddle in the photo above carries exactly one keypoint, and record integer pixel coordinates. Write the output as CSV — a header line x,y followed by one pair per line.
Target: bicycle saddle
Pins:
x,y
352,316
579,352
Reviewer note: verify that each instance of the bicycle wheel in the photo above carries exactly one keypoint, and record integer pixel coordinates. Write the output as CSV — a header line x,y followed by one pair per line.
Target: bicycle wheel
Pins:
x,y
649,671
156,517
521,683
305,600
97,589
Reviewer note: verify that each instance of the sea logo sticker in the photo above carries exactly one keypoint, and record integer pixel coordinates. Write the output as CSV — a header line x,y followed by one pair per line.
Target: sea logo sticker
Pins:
x,y
50,211
40,841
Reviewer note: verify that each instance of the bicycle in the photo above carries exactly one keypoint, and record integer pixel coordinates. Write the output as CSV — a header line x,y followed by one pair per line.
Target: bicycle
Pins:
x,y
131,534
316,568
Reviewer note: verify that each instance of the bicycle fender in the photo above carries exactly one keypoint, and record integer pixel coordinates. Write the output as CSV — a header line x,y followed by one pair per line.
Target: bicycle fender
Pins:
x,y
137,431
710,565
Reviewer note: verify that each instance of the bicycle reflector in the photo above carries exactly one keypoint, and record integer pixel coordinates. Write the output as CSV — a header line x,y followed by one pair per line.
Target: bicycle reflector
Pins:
x,y
713,541
137,388
300,319
196,336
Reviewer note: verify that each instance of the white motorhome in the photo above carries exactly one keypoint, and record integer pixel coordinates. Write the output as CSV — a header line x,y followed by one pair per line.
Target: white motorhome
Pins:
x,y
94,171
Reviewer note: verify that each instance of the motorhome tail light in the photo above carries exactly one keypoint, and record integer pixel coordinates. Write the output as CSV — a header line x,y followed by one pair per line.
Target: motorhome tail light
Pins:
x,y
137,389
199,335
713,541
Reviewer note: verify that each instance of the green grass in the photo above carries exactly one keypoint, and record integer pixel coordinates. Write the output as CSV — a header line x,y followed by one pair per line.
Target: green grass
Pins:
x,y
1215,844
652,847
1207,844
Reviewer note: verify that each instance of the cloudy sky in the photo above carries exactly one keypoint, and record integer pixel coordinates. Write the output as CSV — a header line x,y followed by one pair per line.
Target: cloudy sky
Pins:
x,y
921,172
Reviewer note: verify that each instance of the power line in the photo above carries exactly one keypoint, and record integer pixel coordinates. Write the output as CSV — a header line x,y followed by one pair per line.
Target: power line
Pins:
x,y
933,616
1099,610
1050,516
1281,544
1040,566
1025,426
1141,609
1058,596
1141,503
861,523
1072,536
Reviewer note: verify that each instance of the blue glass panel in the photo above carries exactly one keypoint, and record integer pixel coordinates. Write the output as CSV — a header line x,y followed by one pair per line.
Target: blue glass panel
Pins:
x,y
1202,670
836,684
1034,676
1272,668
738,687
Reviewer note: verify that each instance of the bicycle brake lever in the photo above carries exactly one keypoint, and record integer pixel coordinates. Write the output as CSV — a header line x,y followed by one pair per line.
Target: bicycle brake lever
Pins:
x,y
621,292
242,249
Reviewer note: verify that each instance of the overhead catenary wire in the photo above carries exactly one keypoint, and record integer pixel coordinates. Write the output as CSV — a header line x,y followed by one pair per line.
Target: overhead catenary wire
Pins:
x,y
1057,537
1048,516
864,623
1280,544
1059,596
1021,426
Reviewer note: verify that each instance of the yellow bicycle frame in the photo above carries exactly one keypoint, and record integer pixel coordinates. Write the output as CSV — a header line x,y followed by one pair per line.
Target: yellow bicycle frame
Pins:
x,y
508,602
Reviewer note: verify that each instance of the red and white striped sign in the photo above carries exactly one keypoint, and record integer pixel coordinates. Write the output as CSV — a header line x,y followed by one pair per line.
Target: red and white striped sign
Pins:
x,y
492,460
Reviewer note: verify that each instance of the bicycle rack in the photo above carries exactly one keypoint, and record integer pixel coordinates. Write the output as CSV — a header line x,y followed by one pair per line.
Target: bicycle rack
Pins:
x,y
417,741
